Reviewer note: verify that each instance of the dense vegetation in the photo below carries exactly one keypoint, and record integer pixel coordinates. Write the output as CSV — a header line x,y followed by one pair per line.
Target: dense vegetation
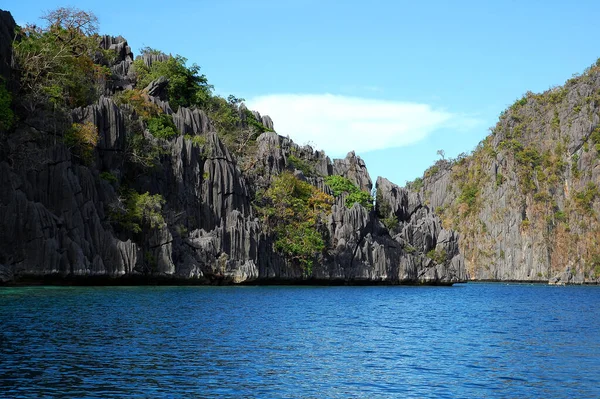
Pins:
x,y
134,211
186,87
56,62
294,211
82,138
341,185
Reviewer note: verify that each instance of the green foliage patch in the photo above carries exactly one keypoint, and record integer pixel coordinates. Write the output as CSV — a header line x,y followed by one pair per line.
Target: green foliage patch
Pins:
x,y
109,177
585,198
438,256
224,115
186,87
415,185
432,171
162,127
384,212
255,123
136,210
82,139
197,140
56,61
7,116
469,195
595,138
340,184
301,165
293,210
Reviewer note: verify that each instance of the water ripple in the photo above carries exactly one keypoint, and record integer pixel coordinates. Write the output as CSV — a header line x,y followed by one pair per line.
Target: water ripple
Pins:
x,y
475,340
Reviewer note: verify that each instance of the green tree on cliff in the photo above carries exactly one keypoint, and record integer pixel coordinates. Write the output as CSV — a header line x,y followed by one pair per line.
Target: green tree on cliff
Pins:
x,y
187,87
55,62
293,210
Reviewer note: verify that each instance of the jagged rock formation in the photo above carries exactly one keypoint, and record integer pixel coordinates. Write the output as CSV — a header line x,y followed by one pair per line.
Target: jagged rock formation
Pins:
x,y
353,168
109,120
59,215
191,121
123,78
53,222
420,233
157,88
7,34
362,248
526,201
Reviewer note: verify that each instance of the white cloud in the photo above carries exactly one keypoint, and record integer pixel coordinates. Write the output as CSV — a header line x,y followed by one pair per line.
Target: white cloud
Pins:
x,y
338,124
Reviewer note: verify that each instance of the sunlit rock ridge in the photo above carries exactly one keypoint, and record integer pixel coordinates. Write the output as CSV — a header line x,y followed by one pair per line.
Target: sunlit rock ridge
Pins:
x,y
526,200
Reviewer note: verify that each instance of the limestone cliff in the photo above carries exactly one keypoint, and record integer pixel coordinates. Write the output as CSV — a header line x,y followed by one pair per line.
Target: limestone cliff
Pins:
x,y
526,201
138,206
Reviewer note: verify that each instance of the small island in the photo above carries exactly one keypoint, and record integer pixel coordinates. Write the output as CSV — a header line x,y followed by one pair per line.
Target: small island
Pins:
x,y
120,169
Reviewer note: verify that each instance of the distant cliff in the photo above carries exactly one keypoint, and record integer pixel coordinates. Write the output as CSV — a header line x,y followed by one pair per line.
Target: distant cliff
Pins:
x,y
526,201
132,170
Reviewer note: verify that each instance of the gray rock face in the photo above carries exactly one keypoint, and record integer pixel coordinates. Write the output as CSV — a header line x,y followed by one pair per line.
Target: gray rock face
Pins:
x,y
211,233
524,201
354,169
361,247
52,223
150,58
433,250
109,121
276,153
158,88
7,35
268,122
64,219
191,121
119,45
123,77
225,188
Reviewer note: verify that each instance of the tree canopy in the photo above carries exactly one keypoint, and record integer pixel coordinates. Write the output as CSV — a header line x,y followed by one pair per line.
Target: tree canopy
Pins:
x,y
55,62
340,185
292,209
187,87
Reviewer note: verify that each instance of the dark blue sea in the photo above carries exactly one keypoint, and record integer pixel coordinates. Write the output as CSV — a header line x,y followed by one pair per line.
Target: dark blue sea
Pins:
x,y
466,341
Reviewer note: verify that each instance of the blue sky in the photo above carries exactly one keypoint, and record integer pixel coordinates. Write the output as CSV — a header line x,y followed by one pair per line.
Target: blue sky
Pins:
x,y
393,80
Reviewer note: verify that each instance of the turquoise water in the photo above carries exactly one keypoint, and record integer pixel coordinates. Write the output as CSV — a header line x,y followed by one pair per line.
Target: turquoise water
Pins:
x,y
473,340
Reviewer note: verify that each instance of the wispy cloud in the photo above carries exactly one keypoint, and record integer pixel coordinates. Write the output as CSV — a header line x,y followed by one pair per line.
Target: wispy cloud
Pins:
x,y
338,124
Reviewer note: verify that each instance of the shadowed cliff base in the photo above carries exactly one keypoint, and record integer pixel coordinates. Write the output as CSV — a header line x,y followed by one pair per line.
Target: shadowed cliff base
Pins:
x,y
135,280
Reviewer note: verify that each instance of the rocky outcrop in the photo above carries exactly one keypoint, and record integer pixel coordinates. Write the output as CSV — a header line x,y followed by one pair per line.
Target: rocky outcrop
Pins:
x,y
526,200
353,168
210,235
276,153
224,186
267,122
433,249
119,46
187,212
109,120
362,249
7,35
150,57
120,63
191,121
158,88
52,222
